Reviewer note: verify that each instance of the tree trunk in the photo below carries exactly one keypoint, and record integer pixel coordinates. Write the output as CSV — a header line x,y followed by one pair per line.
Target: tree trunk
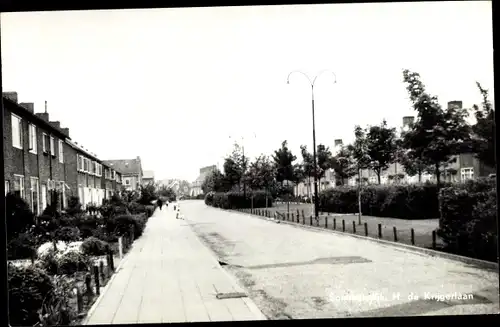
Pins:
x,y
438,175
378,176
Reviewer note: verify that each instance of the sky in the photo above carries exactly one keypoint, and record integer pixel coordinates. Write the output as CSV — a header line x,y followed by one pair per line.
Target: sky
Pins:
x,y
178,87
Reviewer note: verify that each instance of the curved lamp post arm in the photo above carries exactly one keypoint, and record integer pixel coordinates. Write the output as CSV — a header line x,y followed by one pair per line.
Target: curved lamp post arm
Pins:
x,y
321,73
298,71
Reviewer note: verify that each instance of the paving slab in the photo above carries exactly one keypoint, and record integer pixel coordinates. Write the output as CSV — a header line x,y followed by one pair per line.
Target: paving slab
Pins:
x,y
169,276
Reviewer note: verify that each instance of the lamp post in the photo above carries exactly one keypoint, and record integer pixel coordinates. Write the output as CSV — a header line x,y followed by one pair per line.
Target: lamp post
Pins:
x,y
312,83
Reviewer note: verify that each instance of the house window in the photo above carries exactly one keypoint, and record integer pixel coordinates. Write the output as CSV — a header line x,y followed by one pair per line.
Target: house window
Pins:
x,y
44,142
19,185
7,187
113,174
127,182
85,165
61,151
106,173
44,197
52,146
35,196
17,132
467,173
373,180
32,138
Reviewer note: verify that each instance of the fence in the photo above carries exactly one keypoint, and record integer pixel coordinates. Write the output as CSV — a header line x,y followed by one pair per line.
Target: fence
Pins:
x,y
370,230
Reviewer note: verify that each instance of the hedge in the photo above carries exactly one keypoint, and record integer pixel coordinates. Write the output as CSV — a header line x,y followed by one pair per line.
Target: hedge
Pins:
x,y
237,200
414,201
468,221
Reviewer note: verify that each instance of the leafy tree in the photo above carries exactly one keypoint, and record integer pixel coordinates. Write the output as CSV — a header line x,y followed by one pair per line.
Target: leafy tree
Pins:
x,y
148,193
324,160
283,160
166,192
215,182
358,150
381,147
235,166
437,135
261,173
343,165
18,215
307,167
484,130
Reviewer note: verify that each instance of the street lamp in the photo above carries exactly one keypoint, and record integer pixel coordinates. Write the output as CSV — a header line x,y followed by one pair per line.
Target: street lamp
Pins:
x,y
312,83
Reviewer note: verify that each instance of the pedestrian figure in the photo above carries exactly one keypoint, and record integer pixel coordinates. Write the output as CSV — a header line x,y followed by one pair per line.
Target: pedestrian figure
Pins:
x,y
174,207
160,203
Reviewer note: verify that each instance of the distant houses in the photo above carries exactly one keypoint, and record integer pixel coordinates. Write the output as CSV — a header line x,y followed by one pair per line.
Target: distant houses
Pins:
x,y
131,170
148,177
465,167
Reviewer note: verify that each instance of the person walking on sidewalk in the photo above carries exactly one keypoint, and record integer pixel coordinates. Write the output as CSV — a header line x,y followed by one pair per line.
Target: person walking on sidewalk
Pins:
x,y
160,203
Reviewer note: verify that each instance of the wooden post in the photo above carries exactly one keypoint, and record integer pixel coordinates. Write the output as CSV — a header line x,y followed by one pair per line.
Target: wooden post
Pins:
x,y
303,216
379,230
101,270
353,227
293,217
343,225
97,281
298,216
366,229
287,216
311,220
88,285
111,263
79,300
326,222
412,236
434,239
120,246
394,230
335,223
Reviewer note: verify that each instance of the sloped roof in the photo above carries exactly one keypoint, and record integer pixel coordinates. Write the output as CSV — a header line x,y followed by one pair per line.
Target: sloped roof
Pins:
x,y
148,174
125,166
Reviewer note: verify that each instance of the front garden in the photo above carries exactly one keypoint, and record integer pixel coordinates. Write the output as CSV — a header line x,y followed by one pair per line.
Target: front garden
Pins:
x,y
59,261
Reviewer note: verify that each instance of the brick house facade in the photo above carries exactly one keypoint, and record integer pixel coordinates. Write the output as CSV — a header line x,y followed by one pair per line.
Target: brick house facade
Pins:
x,y
39,156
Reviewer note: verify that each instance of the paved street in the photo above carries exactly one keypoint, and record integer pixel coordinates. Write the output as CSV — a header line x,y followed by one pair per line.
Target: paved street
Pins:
x,y
170,276
293,273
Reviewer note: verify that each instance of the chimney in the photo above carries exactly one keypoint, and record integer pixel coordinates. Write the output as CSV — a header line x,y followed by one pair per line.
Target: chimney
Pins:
x,y
65,131
10,95
408,120
338,142
43,115
55,124
455,103
45,106
28,106
138,158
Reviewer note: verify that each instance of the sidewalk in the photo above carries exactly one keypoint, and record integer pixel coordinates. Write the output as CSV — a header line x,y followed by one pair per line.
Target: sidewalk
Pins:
x,y
170,276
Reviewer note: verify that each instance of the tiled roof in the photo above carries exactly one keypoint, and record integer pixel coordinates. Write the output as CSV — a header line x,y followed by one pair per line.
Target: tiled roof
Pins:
x,y
126,166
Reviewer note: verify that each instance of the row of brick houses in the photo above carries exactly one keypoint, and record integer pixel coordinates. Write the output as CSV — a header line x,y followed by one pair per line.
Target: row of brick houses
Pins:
x,y
39,157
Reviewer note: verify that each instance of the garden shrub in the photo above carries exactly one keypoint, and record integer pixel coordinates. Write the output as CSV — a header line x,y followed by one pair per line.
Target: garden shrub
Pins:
x,y
121,225
18,215
28,288
94,246
67,263
74,206
150,209
199,197
395,201
468,221
57,309
237,200
209,198
136,208
21,247
67,234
